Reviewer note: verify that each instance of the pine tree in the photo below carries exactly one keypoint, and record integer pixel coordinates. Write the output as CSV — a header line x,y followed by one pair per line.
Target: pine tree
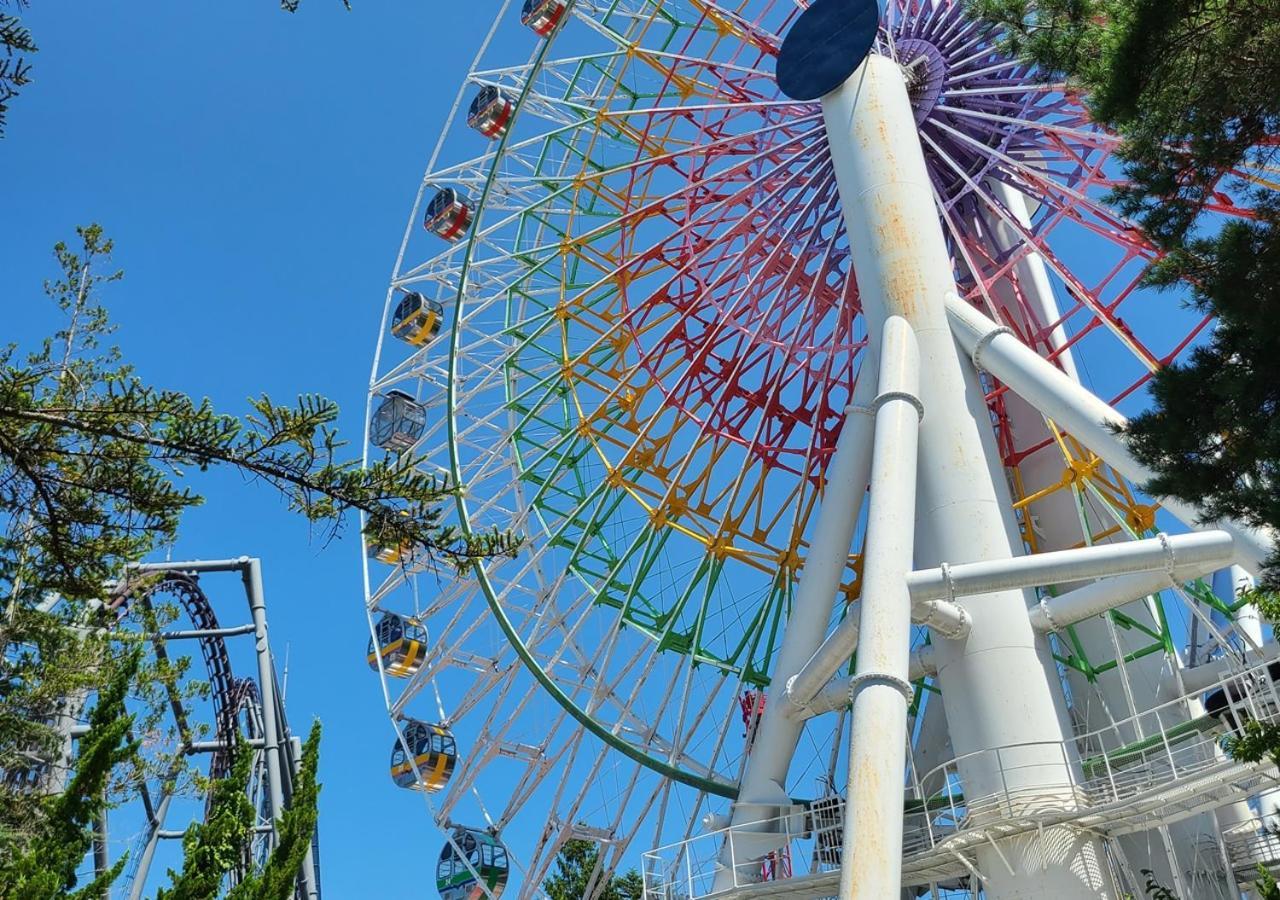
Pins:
x,y
297,828
43,864
576,866
16,45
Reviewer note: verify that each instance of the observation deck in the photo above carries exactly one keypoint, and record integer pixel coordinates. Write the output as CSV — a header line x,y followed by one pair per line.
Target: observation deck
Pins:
x,y
1155,768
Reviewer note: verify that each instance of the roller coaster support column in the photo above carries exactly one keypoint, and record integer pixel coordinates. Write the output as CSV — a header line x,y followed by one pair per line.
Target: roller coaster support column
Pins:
x,y
252,574
963,508
872,852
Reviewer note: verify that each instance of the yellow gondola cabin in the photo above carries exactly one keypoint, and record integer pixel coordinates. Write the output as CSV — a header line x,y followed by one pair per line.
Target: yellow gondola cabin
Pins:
x,y
402,644
416,319
431,749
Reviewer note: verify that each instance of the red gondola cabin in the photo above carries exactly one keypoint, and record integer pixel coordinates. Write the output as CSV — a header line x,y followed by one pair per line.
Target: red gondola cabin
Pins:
x,y
490,112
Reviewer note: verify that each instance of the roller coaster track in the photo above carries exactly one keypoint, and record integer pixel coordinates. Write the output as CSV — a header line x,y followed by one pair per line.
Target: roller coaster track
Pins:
x,y
227,693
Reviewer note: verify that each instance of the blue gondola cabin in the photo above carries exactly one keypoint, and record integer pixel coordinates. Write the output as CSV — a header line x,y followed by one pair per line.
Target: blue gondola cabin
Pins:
x,y
398,422
400,642
448,215
487,856
431,749
416,320
542,15
491,112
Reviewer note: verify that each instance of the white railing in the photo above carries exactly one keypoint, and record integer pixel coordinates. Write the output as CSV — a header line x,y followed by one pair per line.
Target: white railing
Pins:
x,y
1251,845
1159,763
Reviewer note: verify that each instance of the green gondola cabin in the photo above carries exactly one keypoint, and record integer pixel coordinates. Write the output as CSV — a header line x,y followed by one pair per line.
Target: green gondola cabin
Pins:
x,y
432,749
487,856
400,642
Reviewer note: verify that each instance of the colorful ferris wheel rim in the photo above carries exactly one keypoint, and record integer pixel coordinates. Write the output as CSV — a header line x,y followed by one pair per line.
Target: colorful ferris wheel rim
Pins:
x,y
653,334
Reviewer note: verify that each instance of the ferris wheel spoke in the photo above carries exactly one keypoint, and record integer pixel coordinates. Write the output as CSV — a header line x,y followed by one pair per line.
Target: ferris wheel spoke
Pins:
x,y
612,395
1098,139
1054,265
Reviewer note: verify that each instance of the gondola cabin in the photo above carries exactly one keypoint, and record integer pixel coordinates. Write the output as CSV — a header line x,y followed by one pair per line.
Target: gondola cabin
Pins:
x,y
390,554
487,857
490,112
402,644
416,319
432,750
398,422
448,215
542,15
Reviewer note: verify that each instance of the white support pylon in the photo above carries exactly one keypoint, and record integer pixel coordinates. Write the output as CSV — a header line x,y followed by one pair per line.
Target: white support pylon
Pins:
x,y
764,778
963,507
872,854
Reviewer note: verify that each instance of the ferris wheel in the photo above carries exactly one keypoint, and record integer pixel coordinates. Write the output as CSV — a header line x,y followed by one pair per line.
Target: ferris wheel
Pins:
x,y
624,323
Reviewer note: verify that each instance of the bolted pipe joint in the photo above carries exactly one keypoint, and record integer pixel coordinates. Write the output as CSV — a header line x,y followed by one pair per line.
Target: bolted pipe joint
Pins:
x,y
949,620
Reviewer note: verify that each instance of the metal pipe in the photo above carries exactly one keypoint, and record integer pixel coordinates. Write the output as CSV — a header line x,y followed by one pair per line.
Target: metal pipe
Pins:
x,y
836,650
837,693
900,257
239,564
215,746
252,574
1205,550
1056,613
872,853
1074,409
948,620
153,838
101,858
844,488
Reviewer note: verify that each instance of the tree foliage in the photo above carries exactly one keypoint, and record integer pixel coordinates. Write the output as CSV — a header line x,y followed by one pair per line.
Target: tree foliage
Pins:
x,y
576,870
42,862
16,45
215,848
297,828
94,458
1193,89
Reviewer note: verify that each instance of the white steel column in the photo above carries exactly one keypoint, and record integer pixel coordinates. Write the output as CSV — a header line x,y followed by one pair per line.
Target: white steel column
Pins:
x,y
999,685
872,854
763,783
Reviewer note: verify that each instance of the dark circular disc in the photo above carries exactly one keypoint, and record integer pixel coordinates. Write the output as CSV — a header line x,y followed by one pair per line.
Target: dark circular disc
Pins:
x,y
829,40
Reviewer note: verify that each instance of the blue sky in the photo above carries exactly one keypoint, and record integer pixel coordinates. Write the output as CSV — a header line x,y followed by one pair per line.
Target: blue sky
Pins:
x,y
255,169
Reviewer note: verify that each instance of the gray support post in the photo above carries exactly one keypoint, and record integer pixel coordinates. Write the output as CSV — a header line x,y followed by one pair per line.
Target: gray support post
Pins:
x,y
149,851
252,574
101,858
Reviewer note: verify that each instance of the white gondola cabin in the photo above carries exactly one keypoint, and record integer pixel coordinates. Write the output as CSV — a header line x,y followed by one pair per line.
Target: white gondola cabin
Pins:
x,y
487,856
542,15
402,644
398,422
417,319
490,112
431,749
448,215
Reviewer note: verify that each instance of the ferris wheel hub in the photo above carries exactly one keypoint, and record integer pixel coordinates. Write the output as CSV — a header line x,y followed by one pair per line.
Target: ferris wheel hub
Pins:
x,y
925,70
